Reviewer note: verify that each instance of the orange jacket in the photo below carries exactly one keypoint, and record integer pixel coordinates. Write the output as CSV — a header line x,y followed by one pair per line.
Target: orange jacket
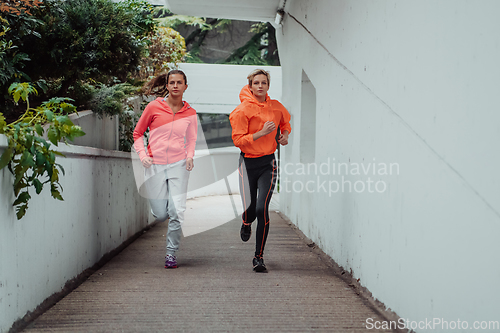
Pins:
x,y
249,118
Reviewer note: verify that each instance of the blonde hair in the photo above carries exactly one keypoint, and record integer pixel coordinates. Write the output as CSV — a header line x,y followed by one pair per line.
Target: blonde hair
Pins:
x,y
256,72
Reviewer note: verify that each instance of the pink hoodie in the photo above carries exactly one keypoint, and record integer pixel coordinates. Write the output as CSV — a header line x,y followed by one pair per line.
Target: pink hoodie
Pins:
x,y
172,137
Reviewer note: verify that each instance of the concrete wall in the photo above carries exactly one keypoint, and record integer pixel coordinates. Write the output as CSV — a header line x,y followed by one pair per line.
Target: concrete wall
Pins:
x,y
55,241
103,132
411,85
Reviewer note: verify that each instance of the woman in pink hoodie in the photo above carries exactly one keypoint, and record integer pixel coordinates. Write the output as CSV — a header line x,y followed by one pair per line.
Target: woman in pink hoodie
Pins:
x,y
168,157
255,124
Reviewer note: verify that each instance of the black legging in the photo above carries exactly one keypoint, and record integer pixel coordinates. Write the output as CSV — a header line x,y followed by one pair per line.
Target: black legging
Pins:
x,y
257,181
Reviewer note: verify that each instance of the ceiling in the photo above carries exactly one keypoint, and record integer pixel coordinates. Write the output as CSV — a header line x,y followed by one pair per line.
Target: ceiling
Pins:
x,y
249,10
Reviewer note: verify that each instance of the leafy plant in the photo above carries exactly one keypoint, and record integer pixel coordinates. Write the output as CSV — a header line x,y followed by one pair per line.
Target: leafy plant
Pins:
x,y
16,22
18,7
110,100
166,49
12,29
29,155
89,39
261,49
128,120
173,21
10,61
195,40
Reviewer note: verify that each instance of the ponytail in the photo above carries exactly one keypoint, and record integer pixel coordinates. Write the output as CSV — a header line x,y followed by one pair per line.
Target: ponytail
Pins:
x,y
158,85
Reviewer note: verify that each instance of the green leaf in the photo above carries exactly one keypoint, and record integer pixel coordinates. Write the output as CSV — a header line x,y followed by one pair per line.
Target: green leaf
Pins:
x,y
20,172
22,198
55,100
57,195
52,157
55,175
16,94
40,170
39,129
21,210
21,90
76,131
27,159
53,135
68,108
48,168
29,141
58,153
3,124
64,120
41,83
62,169
38,185
55,192
18,187
49,114
40,159
6,157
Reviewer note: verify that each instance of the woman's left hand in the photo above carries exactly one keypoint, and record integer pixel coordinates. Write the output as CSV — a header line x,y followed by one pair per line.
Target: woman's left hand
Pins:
x,y
189,164
283,138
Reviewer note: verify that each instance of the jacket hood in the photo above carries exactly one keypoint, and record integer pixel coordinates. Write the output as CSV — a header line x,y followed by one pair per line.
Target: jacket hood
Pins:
x,y
246,95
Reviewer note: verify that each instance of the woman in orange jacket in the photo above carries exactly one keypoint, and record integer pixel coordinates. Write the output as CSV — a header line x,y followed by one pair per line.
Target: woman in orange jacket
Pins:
x,y
255,123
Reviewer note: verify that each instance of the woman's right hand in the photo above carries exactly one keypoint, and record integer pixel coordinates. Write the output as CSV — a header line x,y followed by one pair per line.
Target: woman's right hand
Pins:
x,y
269,127
147,162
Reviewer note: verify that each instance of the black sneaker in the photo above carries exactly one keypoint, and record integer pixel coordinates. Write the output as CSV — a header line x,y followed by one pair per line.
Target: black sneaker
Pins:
x,y
258,265
245,232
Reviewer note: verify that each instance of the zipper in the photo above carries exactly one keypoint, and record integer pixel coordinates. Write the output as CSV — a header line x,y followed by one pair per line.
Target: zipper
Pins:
x,y
172,128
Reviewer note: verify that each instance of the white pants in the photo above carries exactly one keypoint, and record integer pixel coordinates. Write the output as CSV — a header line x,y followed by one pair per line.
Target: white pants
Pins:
x,y
166,186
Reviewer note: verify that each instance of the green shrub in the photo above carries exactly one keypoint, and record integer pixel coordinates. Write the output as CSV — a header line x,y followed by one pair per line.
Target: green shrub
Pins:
x,y
128,120
89,39
29,156
110,100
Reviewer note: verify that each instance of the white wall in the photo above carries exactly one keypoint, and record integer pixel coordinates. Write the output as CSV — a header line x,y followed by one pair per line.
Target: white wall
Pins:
x,y
104,130
413,83
216,88
55,241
